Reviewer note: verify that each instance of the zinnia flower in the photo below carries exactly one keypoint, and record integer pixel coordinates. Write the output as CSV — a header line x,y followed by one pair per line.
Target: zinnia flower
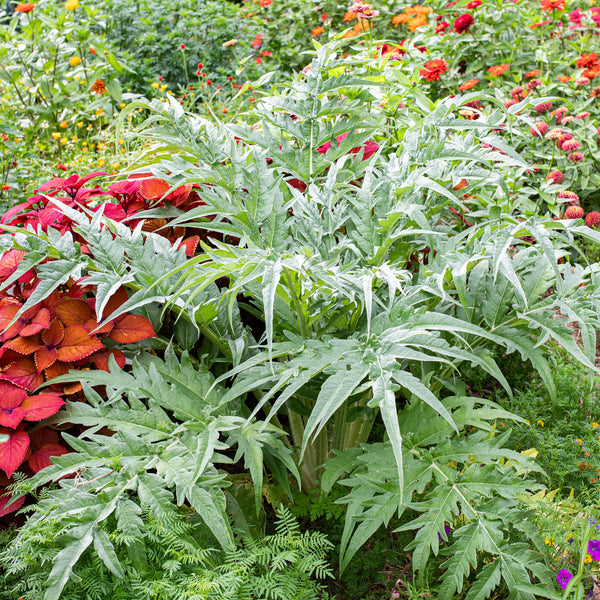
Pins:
x,y
441,27
265,2
72,4
433,69
564,78
400,20
587,60
24,7
497,70
568,193
463,23
473,4
467,85
563,577
317,31
74,61
98,87
556,177
593,220
533,73
570,145
539,129
575,157
543,107
574,212
550,5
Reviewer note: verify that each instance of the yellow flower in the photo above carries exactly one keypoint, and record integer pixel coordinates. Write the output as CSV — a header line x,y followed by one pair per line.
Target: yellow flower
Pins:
x,y
74,61
163,87
63,124
547,541
64,141
101,162
79,124
72,4
122,105
154,85
99,111
540,422
594,425
90,127
527,421
229,43
55,135
587,559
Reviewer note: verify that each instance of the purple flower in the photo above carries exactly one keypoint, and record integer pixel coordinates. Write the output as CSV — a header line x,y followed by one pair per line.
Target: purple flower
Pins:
x,y
594,549
563,578
447,531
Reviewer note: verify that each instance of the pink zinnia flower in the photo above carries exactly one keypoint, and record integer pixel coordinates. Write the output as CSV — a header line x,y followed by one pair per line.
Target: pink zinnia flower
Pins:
x,y
556,177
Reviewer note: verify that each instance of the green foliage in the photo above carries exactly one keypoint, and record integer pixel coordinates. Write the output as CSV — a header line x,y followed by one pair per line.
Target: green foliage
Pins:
x,y
564,433
150,36
469,484
177,563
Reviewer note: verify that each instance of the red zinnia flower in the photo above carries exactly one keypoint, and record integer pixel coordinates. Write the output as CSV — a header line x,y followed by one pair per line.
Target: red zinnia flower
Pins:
x,y
592,219
585,60
473,4
24,7
433,69
574,212
463,23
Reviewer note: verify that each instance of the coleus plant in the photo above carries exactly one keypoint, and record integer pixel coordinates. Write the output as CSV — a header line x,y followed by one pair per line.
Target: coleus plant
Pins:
x,y
46,332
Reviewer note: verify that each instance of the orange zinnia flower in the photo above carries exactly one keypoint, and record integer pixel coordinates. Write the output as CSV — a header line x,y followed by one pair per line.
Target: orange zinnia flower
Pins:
x,y
467,85
497,70
533,73
564,78
24,7
585,60
417,22
98,87
550,5
400,20
317,31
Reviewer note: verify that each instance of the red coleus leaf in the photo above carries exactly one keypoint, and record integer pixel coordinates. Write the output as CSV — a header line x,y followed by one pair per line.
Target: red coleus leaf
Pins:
x,y
77,344
4,500
42,436
41,406
11,417
115,301
74,312
12,452
40,321
11,411
132,328
23,374
41,459
101,359
9,262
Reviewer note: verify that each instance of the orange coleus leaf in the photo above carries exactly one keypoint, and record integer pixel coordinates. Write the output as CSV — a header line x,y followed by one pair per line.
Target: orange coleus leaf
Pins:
x,y
4,500
12,452
154,188
24,345
54,335
41,406
115,301
92,325
77,344
7,314
131,328
58,369
23,374
42,458
460,185
40,321
74,312
190,245
44,358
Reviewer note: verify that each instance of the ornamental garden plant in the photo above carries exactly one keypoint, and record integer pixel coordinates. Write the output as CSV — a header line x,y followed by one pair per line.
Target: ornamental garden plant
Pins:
x,y
336,274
